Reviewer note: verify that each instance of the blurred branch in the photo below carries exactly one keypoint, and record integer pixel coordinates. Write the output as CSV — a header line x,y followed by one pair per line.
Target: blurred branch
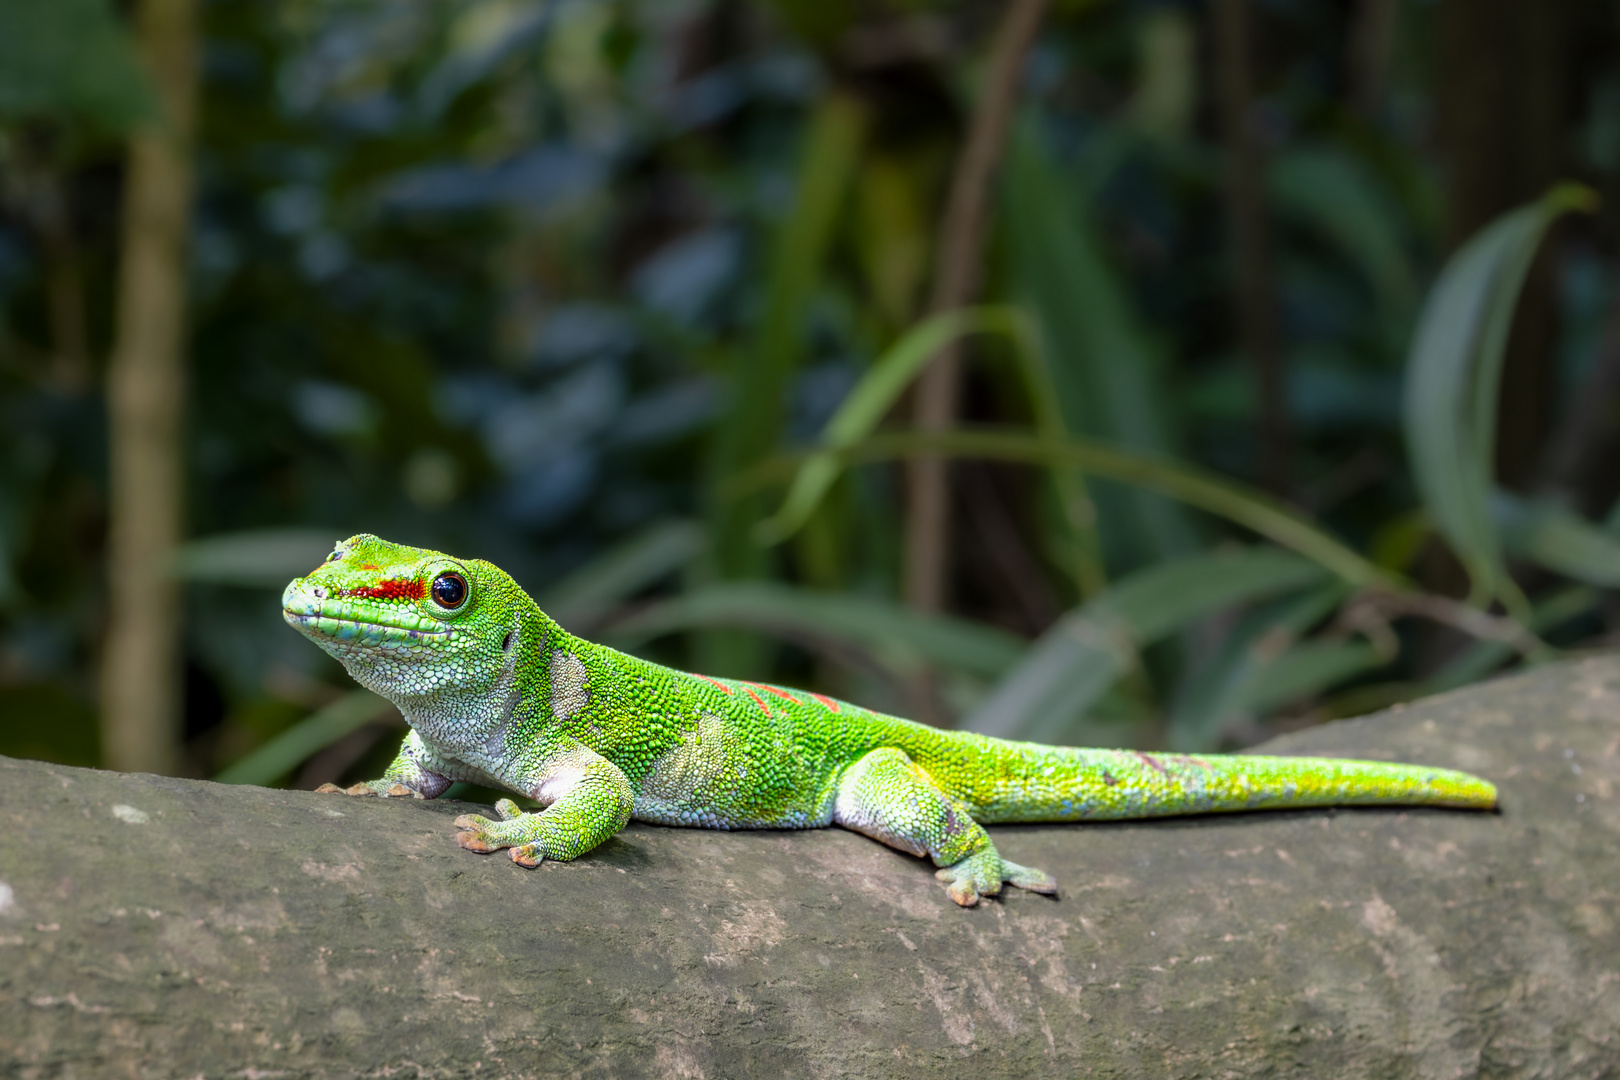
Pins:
x,y
140,685
1255,296
956,281
1369,613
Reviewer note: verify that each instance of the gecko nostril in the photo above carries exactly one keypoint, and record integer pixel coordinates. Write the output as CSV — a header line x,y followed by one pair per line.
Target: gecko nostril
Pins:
x,y
318,592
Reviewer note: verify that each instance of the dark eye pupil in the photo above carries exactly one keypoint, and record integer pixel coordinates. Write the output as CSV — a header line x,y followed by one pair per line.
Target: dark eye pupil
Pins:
x,y
450,589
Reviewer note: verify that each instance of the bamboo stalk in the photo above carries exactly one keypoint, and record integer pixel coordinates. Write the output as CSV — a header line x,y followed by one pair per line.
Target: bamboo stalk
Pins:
x,y
956,281
140,675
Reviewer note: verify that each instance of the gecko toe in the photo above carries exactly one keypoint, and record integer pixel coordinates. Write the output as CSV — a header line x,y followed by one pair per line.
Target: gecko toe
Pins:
x,y
1028,878
529,855
476,841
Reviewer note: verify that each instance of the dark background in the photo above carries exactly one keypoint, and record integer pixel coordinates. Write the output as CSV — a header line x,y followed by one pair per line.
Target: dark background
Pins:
x,y
567,285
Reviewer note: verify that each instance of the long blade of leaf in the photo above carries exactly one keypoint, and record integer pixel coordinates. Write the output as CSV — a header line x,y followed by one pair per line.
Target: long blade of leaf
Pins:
x,y
320,729
1307,669
864,407
1335,195
1221,688
1075,661
1102,361
794,614
1224,497
1555,539
1452,377
618,573
1244,680
760,372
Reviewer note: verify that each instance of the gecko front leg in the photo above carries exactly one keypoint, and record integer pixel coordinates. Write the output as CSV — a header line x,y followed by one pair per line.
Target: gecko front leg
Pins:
x,y
415,773
586,799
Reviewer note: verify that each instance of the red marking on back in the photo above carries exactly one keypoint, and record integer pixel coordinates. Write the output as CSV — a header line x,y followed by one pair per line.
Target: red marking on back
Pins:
x,y
783,694
1150,760
396,589
713,682
749,690
827,701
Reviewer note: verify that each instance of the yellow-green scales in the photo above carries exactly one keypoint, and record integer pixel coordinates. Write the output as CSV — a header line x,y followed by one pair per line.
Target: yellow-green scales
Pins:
x,y
497,693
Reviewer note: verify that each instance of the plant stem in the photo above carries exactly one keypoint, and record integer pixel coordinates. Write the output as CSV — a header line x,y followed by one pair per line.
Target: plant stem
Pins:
x,y
140,683
956,280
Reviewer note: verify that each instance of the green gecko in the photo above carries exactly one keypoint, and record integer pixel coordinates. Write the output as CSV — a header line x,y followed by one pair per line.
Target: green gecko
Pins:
x,y
497,693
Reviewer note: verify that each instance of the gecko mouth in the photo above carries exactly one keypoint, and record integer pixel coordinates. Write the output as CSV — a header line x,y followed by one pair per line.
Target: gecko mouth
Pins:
x,y
357,631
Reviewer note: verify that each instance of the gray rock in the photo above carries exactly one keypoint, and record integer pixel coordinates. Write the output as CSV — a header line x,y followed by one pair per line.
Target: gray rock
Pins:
x,y
152,927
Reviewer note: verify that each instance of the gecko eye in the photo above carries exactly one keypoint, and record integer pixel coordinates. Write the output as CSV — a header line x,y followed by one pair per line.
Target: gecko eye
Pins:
x,y
450,589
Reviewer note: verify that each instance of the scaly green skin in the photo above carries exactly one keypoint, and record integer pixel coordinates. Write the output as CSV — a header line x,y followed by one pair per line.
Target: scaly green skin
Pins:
x,y
498,694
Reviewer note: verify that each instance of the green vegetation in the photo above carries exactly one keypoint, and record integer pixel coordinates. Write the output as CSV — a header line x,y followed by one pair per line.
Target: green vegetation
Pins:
x,y
631,299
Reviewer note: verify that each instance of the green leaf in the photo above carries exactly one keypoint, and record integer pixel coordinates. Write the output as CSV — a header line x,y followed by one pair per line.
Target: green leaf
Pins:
x,y
864,407
72,58
1557,540
284,753
1452,376
1262,664
1103,365
902,638
1075,661
1332,193
1307,669
761,370
255,558
619,573
1224,497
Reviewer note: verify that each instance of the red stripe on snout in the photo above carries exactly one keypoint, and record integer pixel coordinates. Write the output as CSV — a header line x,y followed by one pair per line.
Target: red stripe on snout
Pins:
x,y
397,589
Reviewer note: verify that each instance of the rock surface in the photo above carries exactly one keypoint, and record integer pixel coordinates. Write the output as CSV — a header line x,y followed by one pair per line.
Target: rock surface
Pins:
x,y
153,927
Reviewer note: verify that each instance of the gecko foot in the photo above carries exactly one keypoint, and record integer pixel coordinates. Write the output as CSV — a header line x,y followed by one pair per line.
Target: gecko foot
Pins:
x,y
982,874
513,831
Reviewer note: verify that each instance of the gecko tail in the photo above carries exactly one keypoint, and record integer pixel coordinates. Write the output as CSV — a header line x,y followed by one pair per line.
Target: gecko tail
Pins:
x,y
1063,784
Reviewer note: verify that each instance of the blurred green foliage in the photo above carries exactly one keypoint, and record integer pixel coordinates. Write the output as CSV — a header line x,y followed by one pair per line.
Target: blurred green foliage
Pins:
x,y
623,296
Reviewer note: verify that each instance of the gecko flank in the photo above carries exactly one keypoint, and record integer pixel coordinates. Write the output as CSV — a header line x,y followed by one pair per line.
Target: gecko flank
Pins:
x,y
497,693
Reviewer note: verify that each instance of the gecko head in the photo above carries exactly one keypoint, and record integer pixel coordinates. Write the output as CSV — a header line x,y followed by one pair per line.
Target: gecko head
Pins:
x,y
407,621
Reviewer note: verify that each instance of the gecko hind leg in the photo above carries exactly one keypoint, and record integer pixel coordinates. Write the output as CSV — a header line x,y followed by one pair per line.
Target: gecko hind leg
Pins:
x,y
889,797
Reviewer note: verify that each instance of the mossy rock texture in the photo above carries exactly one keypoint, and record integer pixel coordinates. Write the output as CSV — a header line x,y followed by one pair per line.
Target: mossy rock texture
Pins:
x,y
153,927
